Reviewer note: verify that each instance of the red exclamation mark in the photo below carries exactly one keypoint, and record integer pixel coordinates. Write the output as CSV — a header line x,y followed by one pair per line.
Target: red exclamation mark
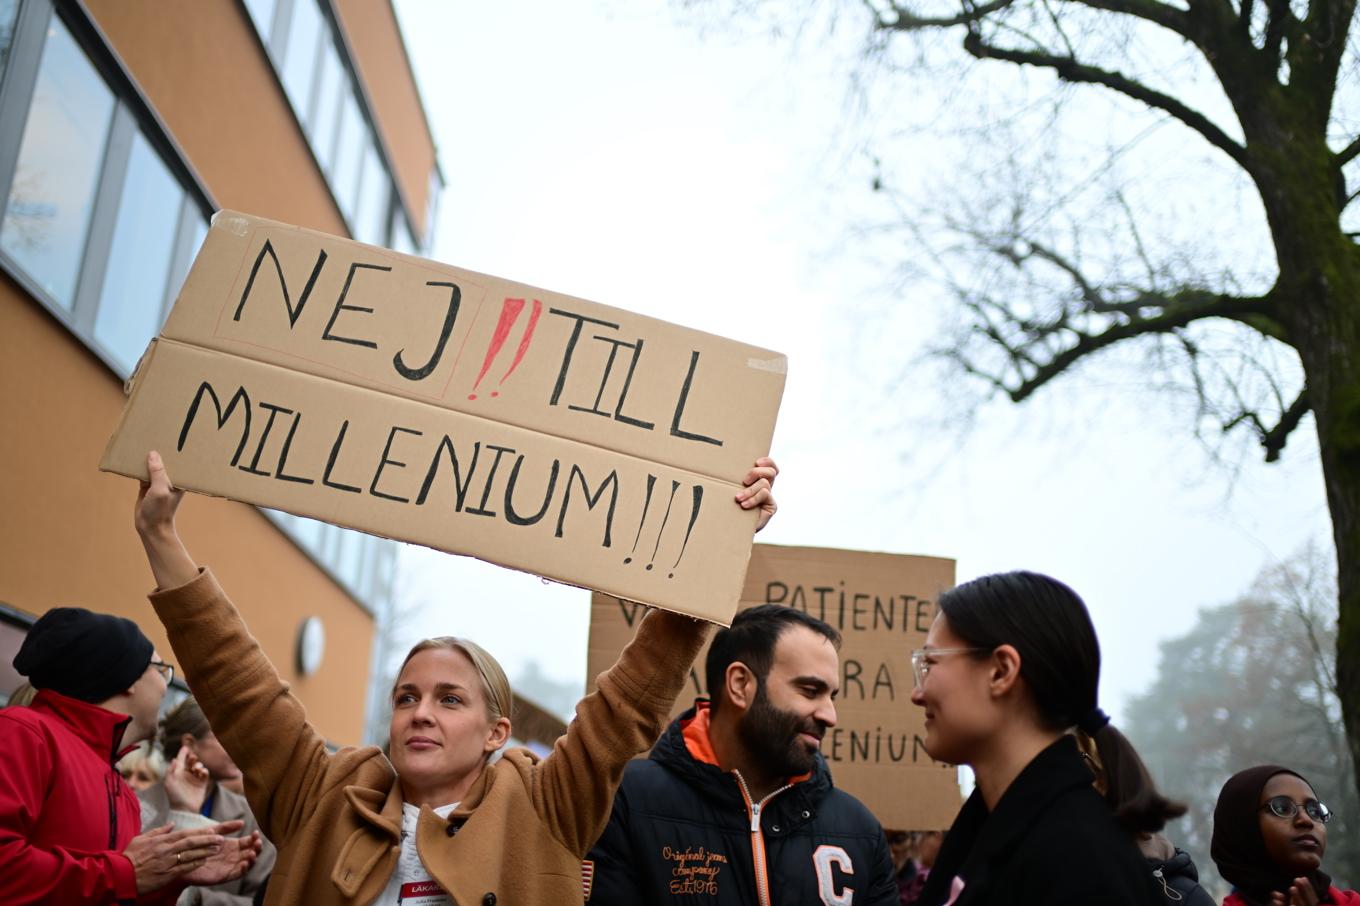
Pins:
x,y
523,343
510,310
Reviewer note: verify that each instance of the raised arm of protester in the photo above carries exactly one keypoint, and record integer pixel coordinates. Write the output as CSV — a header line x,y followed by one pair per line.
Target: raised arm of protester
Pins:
x,y
354,827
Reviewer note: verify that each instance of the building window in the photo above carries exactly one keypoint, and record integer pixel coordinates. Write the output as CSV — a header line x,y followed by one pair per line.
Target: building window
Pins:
x,y
432,206
52,195
325,113
300,57
370,217
262,14
100,221
9,17
349,148
132,298
306,48
401,233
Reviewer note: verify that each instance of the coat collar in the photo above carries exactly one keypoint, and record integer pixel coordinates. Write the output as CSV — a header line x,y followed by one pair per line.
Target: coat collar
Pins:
x,y
99,728
685,748
979,836
381,811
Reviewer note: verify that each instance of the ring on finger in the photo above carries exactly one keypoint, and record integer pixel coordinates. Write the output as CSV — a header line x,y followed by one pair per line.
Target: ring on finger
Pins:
x,y
179,857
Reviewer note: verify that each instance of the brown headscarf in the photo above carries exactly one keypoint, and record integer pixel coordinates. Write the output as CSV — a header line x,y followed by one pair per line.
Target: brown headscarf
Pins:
x,y
1237,847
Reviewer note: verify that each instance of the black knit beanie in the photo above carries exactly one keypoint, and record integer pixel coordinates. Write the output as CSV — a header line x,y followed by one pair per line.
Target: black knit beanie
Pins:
x,y
83,655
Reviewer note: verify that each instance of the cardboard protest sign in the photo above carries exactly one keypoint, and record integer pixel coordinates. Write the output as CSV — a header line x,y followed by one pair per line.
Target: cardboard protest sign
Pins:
x,y
468,413
883,605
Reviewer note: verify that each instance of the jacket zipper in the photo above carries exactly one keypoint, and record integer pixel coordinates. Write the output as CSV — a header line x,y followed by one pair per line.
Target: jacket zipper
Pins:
x,y
111,782
754,809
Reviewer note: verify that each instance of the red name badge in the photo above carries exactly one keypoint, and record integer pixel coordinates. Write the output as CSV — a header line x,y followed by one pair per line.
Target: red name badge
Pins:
x,y
423,893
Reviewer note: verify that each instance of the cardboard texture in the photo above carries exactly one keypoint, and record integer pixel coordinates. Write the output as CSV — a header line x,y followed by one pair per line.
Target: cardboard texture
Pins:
x,y
883,605
431,404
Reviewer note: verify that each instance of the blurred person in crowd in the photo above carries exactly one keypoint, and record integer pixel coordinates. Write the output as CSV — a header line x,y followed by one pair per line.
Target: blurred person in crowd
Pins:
x,y
203,788
735,803
1270,834
21,696
925,847
70,827
1011,664
440,822
901,846
1175,871
142,767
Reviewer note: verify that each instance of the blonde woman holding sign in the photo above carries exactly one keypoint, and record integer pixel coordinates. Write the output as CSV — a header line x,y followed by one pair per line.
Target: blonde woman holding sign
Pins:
x,y
437,824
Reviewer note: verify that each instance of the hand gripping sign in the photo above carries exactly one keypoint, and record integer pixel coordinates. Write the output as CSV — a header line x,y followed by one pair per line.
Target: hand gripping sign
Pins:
x,y
476,415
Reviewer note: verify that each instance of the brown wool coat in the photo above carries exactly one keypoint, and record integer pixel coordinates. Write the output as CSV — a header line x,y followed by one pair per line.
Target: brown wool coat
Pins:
x,y
518,837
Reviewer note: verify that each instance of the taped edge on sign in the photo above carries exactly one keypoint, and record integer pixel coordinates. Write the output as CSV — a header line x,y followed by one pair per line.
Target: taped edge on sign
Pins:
x,y
237,226
778,365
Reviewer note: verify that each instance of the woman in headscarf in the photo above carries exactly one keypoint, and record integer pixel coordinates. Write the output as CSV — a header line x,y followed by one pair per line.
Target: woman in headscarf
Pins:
x,y
1270,833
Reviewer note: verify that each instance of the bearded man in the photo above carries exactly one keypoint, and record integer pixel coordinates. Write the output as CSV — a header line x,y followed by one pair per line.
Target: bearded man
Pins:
x,y
735,804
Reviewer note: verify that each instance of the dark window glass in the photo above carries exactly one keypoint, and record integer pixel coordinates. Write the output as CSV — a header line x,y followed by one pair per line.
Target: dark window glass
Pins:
x,y
47,215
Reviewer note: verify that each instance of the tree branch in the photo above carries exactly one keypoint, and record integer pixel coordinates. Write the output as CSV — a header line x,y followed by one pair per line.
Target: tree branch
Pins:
x,y
907,21
1274,439
1279,23
1070,70
1177,311
1348,153
1162,14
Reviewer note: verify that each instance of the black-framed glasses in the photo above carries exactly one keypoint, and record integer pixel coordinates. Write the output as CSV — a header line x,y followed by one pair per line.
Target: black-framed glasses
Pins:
x,y
165,670
1284,807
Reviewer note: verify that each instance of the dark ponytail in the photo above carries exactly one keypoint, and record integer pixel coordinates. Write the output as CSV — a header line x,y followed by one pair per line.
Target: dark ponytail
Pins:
x,y
1129,788
1048,624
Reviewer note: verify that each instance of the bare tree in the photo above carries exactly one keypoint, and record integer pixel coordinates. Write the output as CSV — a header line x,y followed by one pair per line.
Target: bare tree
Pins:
x,y
1045,286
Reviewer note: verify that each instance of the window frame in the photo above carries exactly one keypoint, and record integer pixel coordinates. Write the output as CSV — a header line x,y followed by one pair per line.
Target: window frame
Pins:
x,y
133,114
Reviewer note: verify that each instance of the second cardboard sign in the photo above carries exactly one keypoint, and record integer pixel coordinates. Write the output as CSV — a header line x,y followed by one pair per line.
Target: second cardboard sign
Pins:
x,y
883,605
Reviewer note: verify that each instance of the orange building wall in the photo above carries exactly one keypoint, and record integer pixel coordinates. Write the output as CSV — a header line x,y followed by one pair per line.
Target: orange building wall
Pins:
x,y
375,38
67,536
206,74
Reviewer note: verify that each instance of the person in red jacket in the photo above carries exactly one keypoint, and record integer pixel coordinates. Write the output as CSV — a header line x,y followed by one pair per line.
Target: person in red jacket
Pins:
x,y
1270,833
70,827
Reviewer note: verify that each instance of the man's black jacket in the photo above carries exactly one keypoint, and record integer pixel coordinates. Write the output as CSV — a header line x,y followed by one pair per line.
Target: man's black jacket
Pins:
x,y
682,831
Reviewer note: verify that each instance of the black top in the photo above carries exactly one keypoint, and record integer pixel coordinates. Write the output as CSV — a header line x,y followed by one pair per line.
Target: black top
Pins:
x,y
1051,840
681,834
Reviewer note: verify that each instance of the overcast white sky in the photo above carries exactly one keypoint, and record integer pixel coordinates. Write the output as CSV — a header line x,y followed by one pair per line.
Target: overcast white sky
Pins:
x,y
616,152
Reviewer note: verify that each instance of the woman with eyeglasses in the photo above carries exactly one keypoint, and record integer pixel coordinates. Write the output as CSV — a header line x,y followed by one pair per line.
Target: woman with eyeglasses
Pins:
x,y
1270,833
1008,677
